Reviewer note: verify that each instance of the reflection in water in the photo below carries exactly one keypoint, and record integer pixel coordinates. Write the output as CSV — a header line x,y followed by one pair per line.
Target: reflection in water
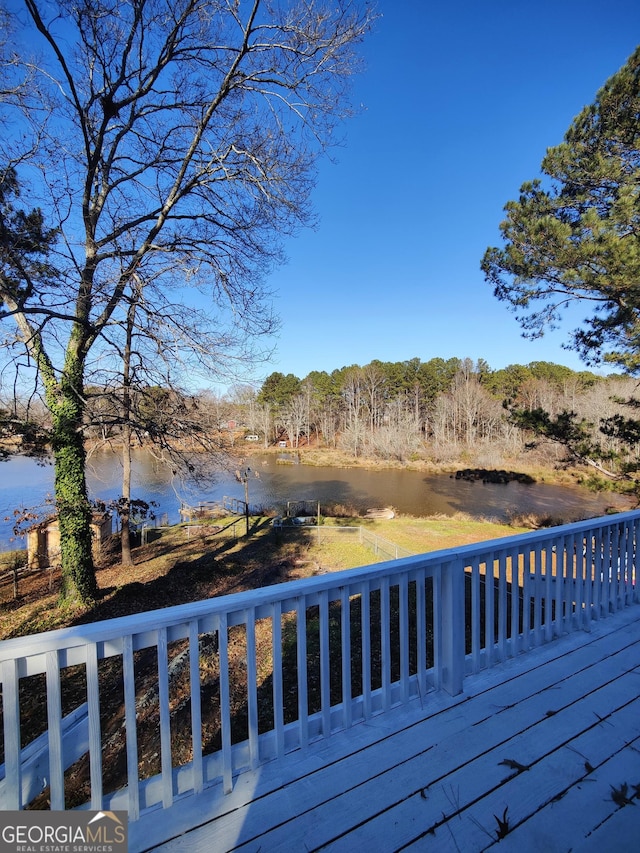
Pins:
x,y
24,483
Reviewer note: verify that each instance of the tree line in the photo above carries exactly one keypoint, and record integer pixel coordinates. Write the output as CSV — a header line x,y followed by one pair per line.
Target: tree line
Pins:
x,y
165,150
440,410
437,409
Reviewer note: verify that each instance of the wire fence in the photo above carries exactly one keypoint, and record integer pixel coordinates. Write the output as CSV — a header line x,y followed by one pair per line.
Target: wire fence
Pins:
x,y
233,531
380,546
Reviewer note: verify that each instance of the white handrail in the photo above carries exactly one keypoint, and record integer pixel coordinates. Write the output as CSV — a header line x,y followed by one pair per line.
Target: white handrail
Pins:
x,y
307,657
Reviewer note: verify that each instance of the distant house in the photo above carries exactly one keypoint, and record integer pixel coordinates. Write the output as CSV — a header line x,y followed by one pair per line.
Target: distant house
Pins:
x,y
43,540
231,425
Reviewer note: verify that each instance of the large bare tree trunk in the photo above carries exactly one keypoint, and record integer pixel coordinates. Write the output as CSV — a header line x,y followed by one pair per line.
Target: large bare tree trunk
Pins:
x,y
125,512
190,130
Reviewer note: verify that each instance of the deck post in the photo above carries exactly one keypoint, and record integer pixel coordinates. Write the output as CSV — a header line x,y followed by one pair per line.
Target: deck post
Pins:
x,y
457,619
453,627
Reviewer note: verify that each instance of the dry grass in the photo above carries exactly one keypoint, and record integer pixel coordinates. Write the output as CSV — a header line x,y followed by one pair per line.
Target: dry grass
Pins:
x,y
176,569
420,535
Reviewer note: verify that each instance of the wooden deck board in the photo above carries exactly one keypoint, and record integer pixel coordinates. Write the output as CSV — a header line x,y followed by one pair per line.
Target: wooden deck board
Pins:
x,y
432,777
585,804
541,789
459,794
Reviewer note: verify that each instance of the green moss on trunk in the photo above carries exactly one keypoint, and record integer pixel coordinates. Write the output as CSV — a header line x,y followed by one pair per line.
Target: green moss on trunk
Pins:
x,y
74,518
66,403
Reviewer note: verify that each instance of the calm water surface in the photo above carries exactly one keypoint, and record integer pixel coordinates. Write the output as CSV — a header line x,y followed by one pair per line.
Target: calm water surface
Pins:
x,y
24,483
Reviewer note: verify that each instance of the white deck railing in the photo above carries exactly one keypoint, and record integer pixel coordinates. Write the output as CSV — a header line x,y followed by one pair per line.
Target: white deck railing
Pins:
x,y
214,687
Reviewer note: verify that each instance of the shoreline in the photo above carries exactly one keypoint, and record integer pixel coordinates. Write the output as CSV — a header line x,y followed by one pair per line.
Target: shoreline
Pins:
x,y
324,458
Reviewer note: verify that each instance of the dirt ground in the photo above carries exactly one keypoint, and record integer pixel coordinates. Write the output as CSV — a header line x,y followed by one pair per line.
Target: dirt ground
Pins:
x,y
172,570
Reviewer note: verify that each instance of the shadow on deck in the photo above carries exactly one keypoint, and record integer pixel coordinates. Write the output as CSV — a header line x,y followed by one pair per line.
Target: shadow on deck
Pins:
x,y
451,701
539,753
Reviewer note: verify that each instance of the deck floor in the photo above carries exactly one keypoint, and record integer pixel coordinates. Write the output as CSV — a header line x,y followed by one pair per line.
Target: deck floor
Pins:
x,y
541,753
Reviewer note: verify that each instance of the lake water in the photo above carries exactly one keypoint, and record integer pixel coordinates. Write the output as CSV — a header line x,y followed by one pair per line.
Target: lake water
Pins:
x,y
24,483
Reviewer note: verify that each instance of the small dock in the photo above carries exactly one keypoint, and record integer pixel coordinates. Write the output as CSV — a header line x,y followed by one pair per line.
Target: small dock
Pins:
x,y
212,509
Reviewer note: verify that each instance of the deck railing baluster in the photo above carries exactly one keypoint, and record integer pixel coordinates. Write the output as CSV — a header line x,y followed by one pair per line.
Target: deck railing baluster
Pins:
x,y
225,713
95,736
597,574
625,565
12,733
614,573
325,664
130,727
558,580
502,605
196,709
549,590
630,574
165,719
385,642
54,721
516,631
587,573
574,592
475,615
252,687
568,585
403,594
579,581
365,622
303,674
421,632
606,572
11,727
345,649
528,559
559,587
278,692
453,626
489,610
438,628
537,595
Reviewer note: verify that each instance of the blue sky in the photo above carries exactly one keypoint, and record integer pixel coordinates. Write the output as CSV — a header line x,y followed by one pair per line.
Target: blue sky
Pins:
x,y
461,101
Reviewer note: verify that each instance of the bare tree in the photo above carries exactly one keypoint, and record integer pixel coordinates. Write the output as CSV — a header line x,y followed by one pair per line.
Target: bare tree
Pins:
x,y
173,141
465,392
400,437
265,422
373,384
294,418
352,395
139,394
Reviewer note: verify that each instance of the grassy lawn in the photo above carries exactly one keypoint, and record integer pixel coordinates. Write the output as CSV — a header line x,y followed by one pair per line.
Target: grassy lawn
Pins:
x,y
419,535
181,565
